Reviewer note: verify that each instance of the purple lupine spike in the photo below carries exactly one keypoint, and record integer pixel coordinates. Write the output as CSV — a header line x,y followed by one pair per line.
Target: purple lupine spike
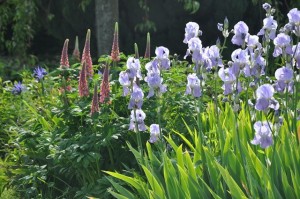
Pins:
x,y
154,133
95,101
83,88
86,55
64,60
263,134
76,52
104,88
115,53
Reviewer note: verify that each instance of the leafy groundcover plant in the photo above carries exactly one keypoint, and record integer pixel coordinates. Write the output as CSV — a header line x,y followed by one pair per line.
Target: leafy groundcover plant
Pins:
x,y
160,127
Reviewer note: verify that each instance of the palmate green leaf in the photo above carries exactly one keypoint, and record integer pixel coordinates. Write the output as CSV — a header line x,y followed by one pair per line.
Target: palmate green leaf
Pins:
x,y
154,183
124,192
46,125
235,190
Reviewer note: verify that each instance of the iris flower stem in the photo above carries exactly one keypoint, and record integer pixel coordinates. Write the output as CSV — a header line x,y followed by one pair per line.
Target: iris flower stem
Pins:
x,y
223,45
138,135
286,111
110,156
43,87
238,139
219,130
295,95
247,105
159,115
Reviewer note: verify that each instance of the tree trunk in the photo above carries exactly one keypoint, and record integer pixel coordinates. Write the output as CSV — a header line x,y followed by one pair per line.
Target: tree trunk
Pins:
x,y
107,13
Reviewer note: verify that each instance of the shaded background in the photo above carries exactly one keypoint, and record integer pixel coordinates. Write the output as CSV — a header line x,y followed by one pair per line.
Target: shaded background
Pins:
x,y
45,24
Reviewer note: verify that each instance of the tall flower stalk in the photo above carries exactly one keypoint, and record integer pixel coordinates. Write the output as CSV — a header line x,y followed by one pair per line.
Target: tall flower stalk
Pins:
x,y
95,101
64,65
83,88
104,87
76,52
115,53
86,55
147,51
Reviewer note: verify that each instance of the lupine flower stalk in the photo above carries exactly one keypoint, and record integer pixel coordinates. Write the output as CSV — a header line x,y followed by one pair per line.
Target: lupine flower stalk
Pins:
x,y
115,53
95,101
86,55
104,87
64,60
147,51
76,52
83,88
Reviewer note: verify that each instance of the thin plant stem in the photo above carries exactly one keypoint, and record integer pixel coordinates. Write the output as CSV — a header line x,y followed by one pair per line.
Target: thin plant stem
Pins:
x,y
110,156
138,135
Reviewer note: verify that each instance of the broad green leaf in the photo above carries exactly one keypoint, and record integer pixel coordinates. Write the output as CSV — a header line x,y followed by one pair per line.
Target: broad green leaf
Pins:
x,y
121,189
130,180
155,185
235,190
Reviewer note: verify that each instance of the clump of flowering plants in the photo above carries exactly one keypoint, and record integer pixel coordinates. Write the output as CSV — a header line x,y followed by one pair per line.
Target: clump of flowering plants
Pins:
x,y
202,127
244,141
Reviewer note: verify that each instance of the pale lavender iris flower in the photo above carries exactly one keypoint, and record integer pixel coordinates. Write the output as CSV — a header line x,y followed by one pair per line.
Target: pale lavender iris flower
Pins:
x,y
193,85
284,81
136,98
263,134
139,119
191,30
282,44
240,33
265,99
154,133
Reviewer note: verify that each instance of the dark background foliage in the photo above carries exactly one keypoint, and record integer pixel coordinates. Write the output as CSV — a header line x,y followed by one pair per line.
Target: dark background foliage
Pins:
x,y
32,32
